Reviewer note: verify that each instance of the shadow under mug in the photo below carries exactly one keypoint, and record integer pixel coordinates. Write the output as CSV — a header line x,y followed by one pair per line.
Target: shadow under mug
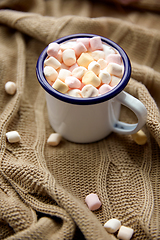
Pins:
x,y
85,120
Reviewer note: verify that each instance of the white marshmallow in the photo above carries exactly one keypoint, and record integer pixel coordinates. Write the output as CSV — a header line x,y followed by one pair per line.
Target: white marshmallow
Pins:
x,y
53,49
125,233
89,91
114,81
115,69
60,86
140,137
91,78
75,93
95,67
10,88
53,62
79,72
103,63
93,201
112,225
98,55
67,45
104,88
105,77
13,136
54,139
108,50
73,82
63,74
73,67
96,43
69,57
50,73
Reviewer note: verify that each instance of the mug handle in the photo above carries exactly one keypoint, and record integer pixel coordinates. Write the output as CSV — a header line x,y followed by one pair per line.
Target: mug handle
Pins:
x,y
136,106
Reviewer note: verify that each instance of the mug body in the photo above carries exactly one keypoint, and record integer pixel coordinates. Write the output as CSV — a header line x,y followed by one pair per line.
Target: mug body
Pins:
x,y
81,123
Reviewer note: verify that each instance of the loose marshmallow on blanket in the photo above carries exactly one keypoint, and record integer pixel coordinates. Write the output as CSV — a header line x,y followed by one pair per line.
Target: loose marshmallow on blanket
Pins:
x,y
114,81
79,48
69,57
13,136
103,63
60,86
112,225
140,137
54,139
105,77
115,69
96,43
53,62
10,88
98,55
75,93
95,67
89,91
85,41
91,78
93,201
73,82
79,72
84,60
105,88
115,58
63,74
125,233
53,49
50,73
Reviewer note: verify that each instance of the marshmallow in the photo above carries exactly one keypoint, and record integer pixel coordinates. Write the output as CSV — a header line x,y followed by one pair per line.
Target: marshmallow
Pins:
x,y
108,50
84,60
63,74
59,56
13,136
53,49
140,137
79,72
105,77
91,78
125,233
115,69
69,57
96,43
114,81
10,88
93,201
85,41
60,86
98,55
67,45
95,67
103,63
115,58
89,91
53,62
73,82
74,93
79,48
50,73
54,139
73,67
112,225
104,88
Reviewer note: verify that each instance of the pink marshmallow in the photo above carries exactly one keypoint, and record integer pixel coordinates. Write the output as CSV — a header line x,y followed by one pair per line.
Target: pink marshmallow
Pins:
x,y
79,48
73,67
115,58
93,201
73,82
96,43
53,49
105,88
85,41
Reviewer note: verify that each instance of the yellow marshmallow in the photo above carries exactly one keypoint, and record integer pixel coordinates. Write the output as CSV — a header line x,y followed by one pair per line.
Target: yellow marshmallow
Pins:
x,y
84,60
140,137
60,86
91,78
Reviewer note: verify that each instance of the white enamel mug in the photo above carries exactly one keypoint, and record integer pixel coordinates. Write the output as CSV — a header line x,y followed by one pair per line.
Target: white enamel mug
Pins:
x,y
85,120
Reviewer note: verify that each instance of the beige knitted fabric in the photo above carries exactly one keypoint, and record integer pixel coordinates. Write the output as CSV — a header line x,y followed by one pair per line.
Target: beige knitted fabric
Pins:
x,y
42,188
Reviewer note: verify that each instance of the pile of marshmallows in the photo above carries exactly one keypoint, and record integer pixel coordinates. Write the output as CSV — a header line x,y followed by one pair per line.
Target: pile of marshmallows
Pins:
x,y
83,68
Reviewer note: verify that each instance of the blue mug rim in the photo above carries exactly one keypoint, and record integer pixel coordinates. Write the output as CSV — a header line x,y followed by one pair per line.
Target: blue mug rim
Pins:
x,y
84,101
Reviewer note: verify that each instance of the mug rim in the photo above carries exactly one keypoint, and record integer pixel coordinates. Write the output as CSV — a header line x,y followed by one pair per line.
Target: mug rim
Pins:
x,y
84,101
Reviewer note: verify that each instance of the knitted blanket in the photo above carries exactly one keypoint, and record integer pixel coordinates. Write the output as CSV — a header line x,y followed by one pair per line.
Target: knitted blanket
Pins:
x,y
43,188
